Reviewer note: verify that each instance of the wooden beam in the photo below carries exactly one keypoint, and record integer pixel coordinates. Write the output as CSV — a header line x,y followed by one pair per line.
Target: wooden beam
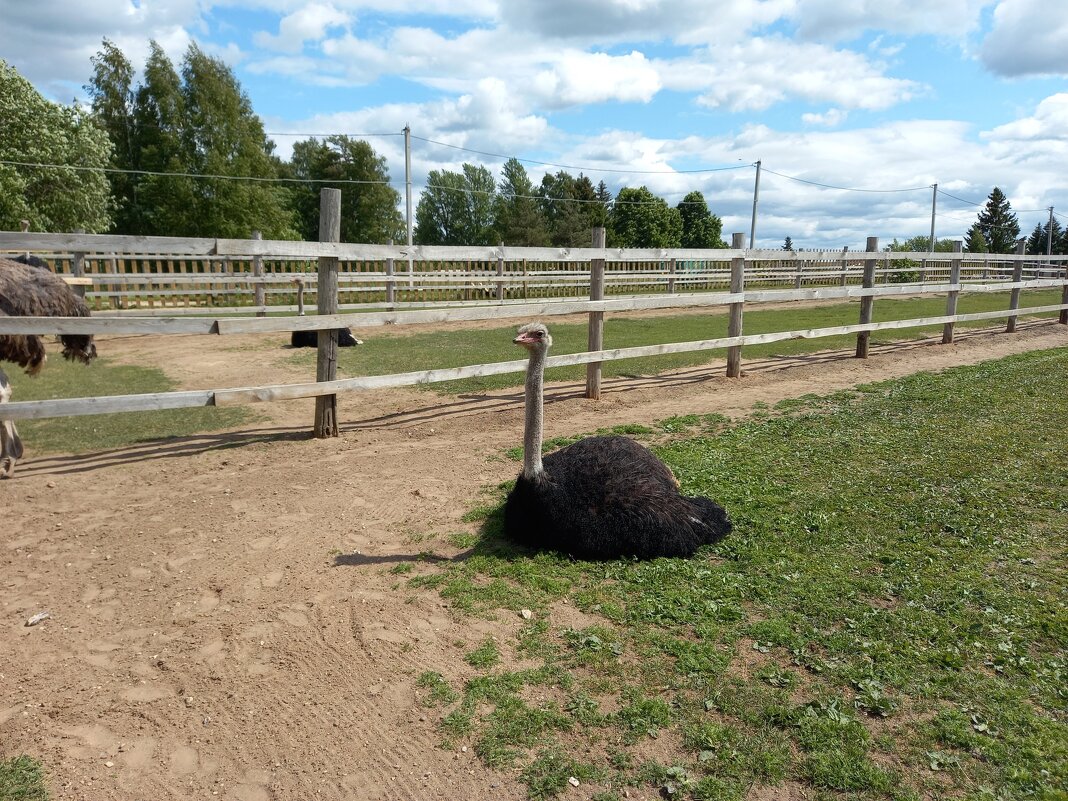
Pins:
x,y
868,300
734,324
595,333
326,424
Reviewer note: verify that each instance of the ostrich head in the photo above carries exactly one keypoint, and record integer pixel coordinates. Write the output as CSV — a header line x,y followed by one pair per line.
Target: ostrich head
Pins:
x,y
534,337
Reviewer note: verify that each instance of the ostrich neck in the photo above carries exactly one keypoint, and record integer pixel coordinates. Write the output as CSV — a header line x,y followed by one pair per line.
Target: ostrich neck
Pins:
x,y
532,466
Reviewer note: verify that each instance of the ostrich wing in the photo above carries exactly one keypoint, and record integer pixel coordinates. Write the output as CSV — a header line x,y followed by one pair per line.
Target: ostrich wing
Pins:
x,y
27,291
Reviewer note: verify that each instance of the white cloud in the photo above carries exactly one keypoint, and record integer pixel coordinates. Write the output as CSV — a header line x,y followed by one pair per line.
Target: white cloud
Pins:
x,y
307,24
581,78
831,118
1028,37
835,20
760,72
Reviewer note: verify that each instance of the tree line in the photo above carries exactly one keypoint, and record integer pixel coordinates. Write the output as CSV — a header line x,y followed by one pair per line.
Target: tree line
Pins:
x,y
188,156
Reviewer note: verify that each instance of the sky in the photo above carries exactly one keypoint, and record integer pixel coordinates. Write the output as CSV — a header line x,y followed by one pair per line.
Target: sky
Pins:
x,y
854,108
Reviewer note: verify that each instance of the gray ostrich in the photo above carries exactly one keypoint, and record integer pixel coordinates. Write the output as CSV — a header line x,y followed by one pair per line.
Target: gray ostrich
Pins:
x,y
28,291
601,497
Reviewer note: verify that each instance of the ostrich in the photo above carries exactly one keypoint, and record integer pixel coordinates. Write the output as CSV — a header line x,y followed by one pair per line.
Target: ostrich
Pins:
x,y
602,497
27,291
310,339
33,261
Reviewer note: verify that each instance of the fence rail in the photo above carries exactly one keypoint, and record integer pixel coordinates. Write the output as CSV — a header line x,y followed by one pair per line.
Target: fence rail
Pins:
x,y
150,270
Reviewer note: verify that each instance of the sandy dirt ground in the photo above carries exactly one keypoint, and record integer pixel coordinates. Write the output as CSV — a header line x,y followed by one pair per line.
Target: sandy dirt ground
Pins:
x,y
223,620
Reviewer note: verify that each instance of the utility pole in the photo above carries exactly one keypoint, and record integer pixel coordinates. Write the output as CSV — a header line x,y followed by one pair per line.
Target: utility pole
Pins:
x,y
408,198
934,206
1049,234
756,199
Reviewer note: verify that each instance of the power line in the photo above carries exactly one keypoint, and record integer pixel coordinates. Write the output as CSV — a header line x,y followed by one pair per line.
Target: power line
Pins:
x,y
582,169
844,188
190,174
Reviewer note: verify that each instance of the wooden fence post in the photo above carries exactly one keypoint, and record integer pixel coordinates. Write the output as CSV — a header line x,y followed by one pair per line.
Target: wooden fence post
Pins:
x,y
77,266
672,269
326,294
800,273
1063,318
867,302
734,324
499,294
845,265
259,289
391,282
1014,296
951,299
596,330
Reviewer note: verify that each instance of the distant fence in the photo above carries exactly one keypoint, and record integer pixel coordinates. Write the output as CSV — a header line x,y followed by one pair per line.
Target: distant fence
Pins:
x,y
167,285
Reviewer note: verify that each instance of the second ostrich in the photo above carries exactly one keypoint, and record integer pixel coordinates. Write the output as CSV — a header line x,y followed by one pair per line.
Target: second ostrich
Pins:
x,y
27,291
601,497
310,339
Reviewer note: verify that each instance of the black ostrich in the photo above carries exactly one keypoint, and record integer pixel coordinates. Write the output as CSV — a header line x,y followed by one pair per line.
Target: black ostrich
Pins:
x,y
28,291
310,339
602,497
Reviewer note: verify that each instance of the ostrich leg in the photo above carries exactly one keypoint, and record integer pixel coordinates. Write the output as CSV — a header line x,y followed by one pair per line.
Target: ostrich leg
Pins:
x,y
10,444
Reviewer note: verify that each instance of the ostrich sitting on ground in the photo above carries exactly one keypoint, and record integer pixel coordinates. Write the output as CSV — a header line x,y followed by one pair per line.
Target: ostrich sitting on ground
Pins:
x,y
27,291
310,339
33,261
602,497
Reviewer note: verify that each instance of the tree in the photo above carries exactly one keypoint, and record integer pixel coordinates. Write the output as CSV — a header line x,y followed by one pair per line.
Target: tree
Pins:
x,y
517,219
788,244
111,93
35,131
368,209
1039,242
571,207
700,228
975,241
198,122
908,269
640,219
998,224
456,208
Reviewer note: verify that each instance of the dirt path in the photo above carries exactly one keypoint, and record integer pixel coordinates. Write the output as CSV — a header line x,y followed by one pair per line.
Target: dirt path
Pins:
x,y
208,641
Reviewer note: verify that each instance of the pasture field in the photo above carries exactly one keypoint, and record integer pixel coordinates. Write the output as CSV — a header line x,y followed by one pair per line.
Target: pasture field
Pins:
x,y
889,618
241,612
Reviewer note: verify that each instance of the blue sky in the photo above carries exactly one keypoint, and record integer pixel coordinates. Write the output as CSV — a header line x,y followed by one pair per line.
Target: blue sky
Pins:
x,y
862,94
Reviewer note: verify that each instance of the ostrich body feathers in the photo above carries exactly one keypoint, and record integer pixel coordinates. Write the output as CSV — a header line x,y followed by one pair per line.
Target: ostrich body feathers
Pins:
x,y
28,291
606,498
310,339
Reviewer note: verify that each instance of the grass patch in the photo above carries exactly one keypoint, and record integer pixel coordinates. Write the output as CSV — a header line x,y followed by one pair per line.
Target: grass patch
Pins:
x,y
22,779
889,619
61,379
383,353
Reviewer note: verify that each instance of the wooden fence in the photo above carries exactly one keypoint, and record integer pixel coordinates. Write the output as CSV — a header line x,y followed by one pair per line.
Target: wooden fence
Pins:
x,y
129,279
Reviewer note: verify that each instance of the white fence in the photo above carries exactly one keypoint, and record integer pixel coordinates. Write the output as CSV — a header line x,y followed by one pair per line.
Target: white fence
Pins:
x,y
491,285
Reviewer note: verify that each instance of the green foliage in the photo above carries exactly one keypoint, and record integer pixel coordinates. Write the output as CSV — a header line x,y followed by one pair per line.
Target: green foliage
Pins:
x,y
998,224
440,693
1038,243
22,779
485,656
198,121
571,208
517,219
908,269
456,208
640,219
700,227
36,131
368,209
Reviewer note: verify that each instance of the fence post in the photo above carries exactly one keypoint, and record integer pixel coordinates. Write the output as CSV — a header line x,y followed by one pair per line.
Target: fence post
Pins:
x,y
596,331
868,301
1063,318
77,266
800,273
951,299
845,265
499,294
391,282
734,324
326,294
259,289
1014,296
672,269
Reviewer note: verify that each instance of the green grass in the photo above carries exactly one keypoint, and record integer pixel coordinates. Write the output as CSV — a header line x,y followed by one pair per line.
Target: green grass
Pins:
x,y
61,379
22,779
384,353
889,619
